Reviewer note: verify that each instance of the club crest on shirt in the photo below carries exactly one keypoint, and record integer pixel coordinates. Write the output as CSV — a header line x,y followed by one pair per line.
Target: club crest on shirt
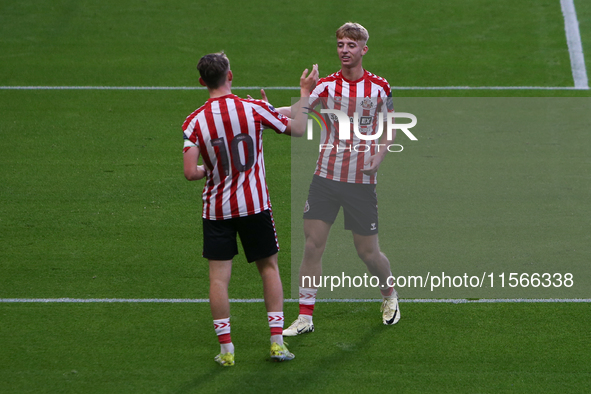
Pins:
x,y
367,103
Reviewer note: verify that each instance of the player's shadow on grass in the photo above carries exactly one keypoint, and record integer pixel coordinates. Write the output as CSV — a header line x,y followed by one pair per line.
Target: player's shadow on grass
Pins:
x,y
306,374
316,374
199,382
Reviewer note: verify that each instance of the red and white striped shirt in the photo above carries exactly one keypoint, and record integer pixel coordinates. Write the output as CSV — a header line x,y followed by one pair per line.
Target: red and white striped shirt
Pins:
x,y
228,131
342,160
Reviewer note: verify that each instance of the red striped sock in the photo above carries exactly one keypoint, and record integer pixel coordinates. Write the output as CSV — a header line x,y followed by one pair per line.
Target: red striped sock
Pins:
x,y
307,301
276,321
306,309
387,292
387,289
222,330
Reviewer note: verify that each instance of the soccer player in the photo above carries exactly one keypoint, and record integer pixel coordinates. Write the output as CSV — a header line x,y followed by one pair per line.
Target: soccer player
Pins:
x,y
346,176
227,132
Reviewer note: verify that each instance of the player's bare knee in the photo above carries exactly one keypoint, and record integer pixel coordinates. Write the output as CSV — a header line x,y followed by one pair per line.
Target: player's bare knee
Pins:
x,y
369,256
365,254
268,263
314,247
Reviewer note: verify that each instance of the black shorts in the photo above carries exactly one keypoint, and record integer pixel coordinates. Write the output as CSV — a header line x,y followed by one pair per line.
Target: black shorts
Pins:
x,y
359,202
257,235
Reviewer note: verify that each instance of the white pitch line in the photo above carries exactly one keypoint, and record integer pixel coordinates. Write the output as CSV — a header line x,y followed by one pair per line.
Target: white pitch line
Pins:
x,y
258,300
581,87
575,47
487,88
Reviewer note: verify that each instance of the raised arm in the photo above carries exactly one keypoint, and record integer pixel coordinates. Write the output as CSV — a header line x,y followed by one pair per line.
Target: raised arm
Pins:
x,y
297,125
285,111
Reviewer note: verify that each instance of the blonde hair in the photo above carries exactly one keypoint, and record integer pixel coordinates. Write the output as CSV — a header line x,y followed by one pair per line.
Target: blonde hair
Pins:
x,y
353,31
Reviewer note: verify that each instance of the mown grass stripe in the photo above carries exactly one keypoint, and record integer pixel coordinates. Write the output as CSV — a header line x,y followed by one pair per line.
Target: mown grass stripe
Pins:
x,y
256,300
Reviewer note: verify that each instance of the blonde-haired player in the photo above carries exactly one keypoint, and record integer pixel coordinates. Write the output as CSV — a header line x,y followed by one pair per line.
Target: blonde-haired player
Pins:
x,y
346,177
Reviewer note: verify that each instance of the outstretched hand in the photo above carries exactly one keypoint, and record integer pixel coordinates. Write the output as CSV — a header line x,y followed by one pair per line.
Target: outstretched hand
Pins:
x,y
309,82
263,96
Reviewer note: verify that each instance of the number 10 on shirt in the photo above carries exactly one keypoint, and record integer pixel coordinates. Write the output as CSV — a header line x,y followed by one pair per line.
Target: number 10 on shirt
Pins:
x,y
224,158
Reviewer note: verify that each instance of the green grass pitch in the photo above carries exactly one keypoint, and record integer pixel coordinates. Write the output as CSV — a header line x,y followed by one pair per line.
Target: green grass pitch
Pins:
x,y
93,203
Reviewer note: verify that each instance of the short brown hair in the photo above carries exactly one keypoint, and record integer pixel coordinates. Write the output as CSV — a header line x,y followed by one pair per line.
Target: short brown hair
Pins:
x,y
213,69
353,31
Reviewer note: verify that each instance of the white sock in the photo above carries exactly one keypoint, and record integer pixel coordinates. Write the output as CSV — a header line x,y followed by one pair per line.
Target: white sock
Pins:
x,y
276,320
226,348
307,317
307,301
222,330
